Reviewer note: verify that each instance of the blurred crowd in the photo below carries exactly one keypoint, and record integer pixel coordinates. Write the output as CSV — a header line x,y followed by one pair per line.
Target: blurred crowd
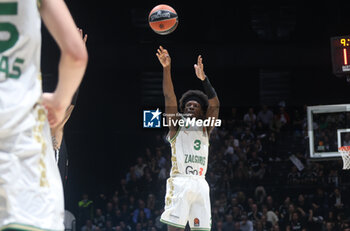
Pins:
x,y
259,176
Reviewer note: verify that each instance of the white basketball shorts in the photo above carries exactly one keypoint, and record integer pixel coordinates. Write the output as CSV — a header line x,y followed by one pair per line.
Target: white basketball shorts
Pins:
x,y
187,200
31,194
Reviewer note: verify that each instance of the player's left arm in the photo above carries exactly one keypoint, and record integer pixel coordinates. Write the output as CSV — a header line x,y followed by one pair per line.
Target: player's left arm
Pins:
x,y
57,131
213,100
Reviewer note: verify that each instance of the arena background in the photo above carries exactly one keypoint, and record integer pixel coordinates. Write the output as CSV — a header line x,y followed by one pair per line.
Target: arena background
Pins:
x,y
243,47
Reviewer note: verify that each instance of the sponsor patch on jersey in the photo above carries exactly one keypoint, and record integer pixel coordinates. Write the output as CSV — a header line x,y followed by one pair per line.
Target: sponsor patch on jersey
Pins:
x,y
191,171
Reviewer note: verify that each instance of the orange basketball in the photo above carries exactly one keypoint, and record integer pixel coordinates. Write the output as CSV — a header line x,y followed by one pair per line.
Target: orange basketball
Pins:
x,y
163,19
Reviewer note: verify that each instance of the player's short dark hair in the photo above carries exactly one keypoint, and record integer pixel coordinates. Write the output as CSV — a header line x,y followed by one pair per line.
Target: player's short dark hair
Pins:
x,y
195,95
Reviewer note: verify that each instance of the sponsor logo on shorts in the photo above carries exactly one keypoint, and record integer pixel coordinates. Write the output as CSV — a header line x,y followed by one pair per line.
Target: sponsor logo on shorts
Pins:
x,y
196,222
174,216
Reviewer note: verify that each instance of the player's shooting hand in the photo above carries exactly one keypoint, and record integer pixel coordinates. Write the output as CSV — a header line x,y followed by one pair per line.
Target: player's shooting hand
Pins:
x,y
55,109
199,68
163,57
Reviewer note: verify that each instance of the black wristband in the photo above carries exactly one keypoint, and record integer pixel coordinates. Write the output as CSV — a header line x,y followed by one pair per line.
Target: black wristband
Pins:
x,y
208,88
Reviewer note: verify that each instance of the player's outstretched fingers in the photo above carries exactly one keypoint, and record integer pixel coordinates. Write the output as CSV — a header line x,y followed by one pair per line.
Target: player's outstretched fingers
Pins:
x,y
200,61
163,50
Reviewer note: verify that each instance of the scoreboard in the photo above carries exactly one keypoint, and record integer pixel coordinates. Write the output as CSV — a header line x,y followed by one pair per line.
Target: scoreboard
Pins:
x,y
340,48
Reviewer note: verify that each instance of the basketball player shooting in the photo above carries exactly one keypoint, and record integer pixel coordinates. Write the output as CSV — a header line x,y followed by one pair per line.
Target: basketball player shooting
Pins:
x,y
187,192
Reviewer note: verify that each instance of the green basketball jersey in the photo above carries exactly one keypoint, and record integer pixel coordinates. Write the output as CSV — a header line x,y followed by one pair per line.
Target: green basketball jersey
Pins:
x,y
20,48
189,149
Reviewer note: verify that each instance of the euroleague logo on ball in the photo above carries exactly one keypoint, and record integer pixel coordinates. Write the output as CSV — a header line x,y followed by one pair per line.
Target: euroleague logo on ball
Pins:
x,y
163,19
160,14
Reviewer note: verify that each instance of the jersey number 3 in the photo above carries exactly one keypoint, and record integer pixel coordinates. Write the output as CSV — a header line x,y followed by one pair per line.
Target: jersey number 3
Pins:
x,y
197,145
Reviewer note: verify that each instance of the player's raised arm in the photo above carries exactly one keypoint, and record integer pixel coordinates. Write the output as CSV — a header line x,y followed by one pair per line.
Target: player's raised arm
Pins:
x,y
73,58
168,88
213,100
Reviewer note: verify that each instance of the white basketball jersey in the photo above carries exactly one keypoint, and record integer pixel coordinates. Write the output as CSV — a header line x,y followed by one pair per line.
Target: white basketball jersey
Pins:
x,y
20,48
189,148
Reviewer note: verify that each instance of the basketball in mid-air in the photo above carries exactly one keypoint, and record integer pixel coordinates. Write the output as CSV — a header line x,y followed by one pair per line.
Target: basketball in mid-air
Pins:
x,y
163,19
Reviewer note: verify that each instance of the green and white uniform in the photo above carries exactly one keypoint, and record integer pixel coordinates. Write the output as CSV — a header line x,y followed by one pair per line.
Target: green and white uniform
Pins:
x,y
187,194
31,194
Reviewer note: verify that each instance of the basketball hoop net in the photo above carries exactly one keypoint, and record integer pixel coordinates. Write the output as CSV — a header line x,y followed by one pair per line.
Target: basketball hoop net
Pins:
x,y
345,154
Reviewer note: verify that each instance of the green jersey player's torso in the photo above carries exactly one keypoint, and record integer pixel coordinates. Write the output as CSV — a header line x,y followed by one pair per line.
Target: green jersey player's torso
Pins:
x,y
20,49
189,151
